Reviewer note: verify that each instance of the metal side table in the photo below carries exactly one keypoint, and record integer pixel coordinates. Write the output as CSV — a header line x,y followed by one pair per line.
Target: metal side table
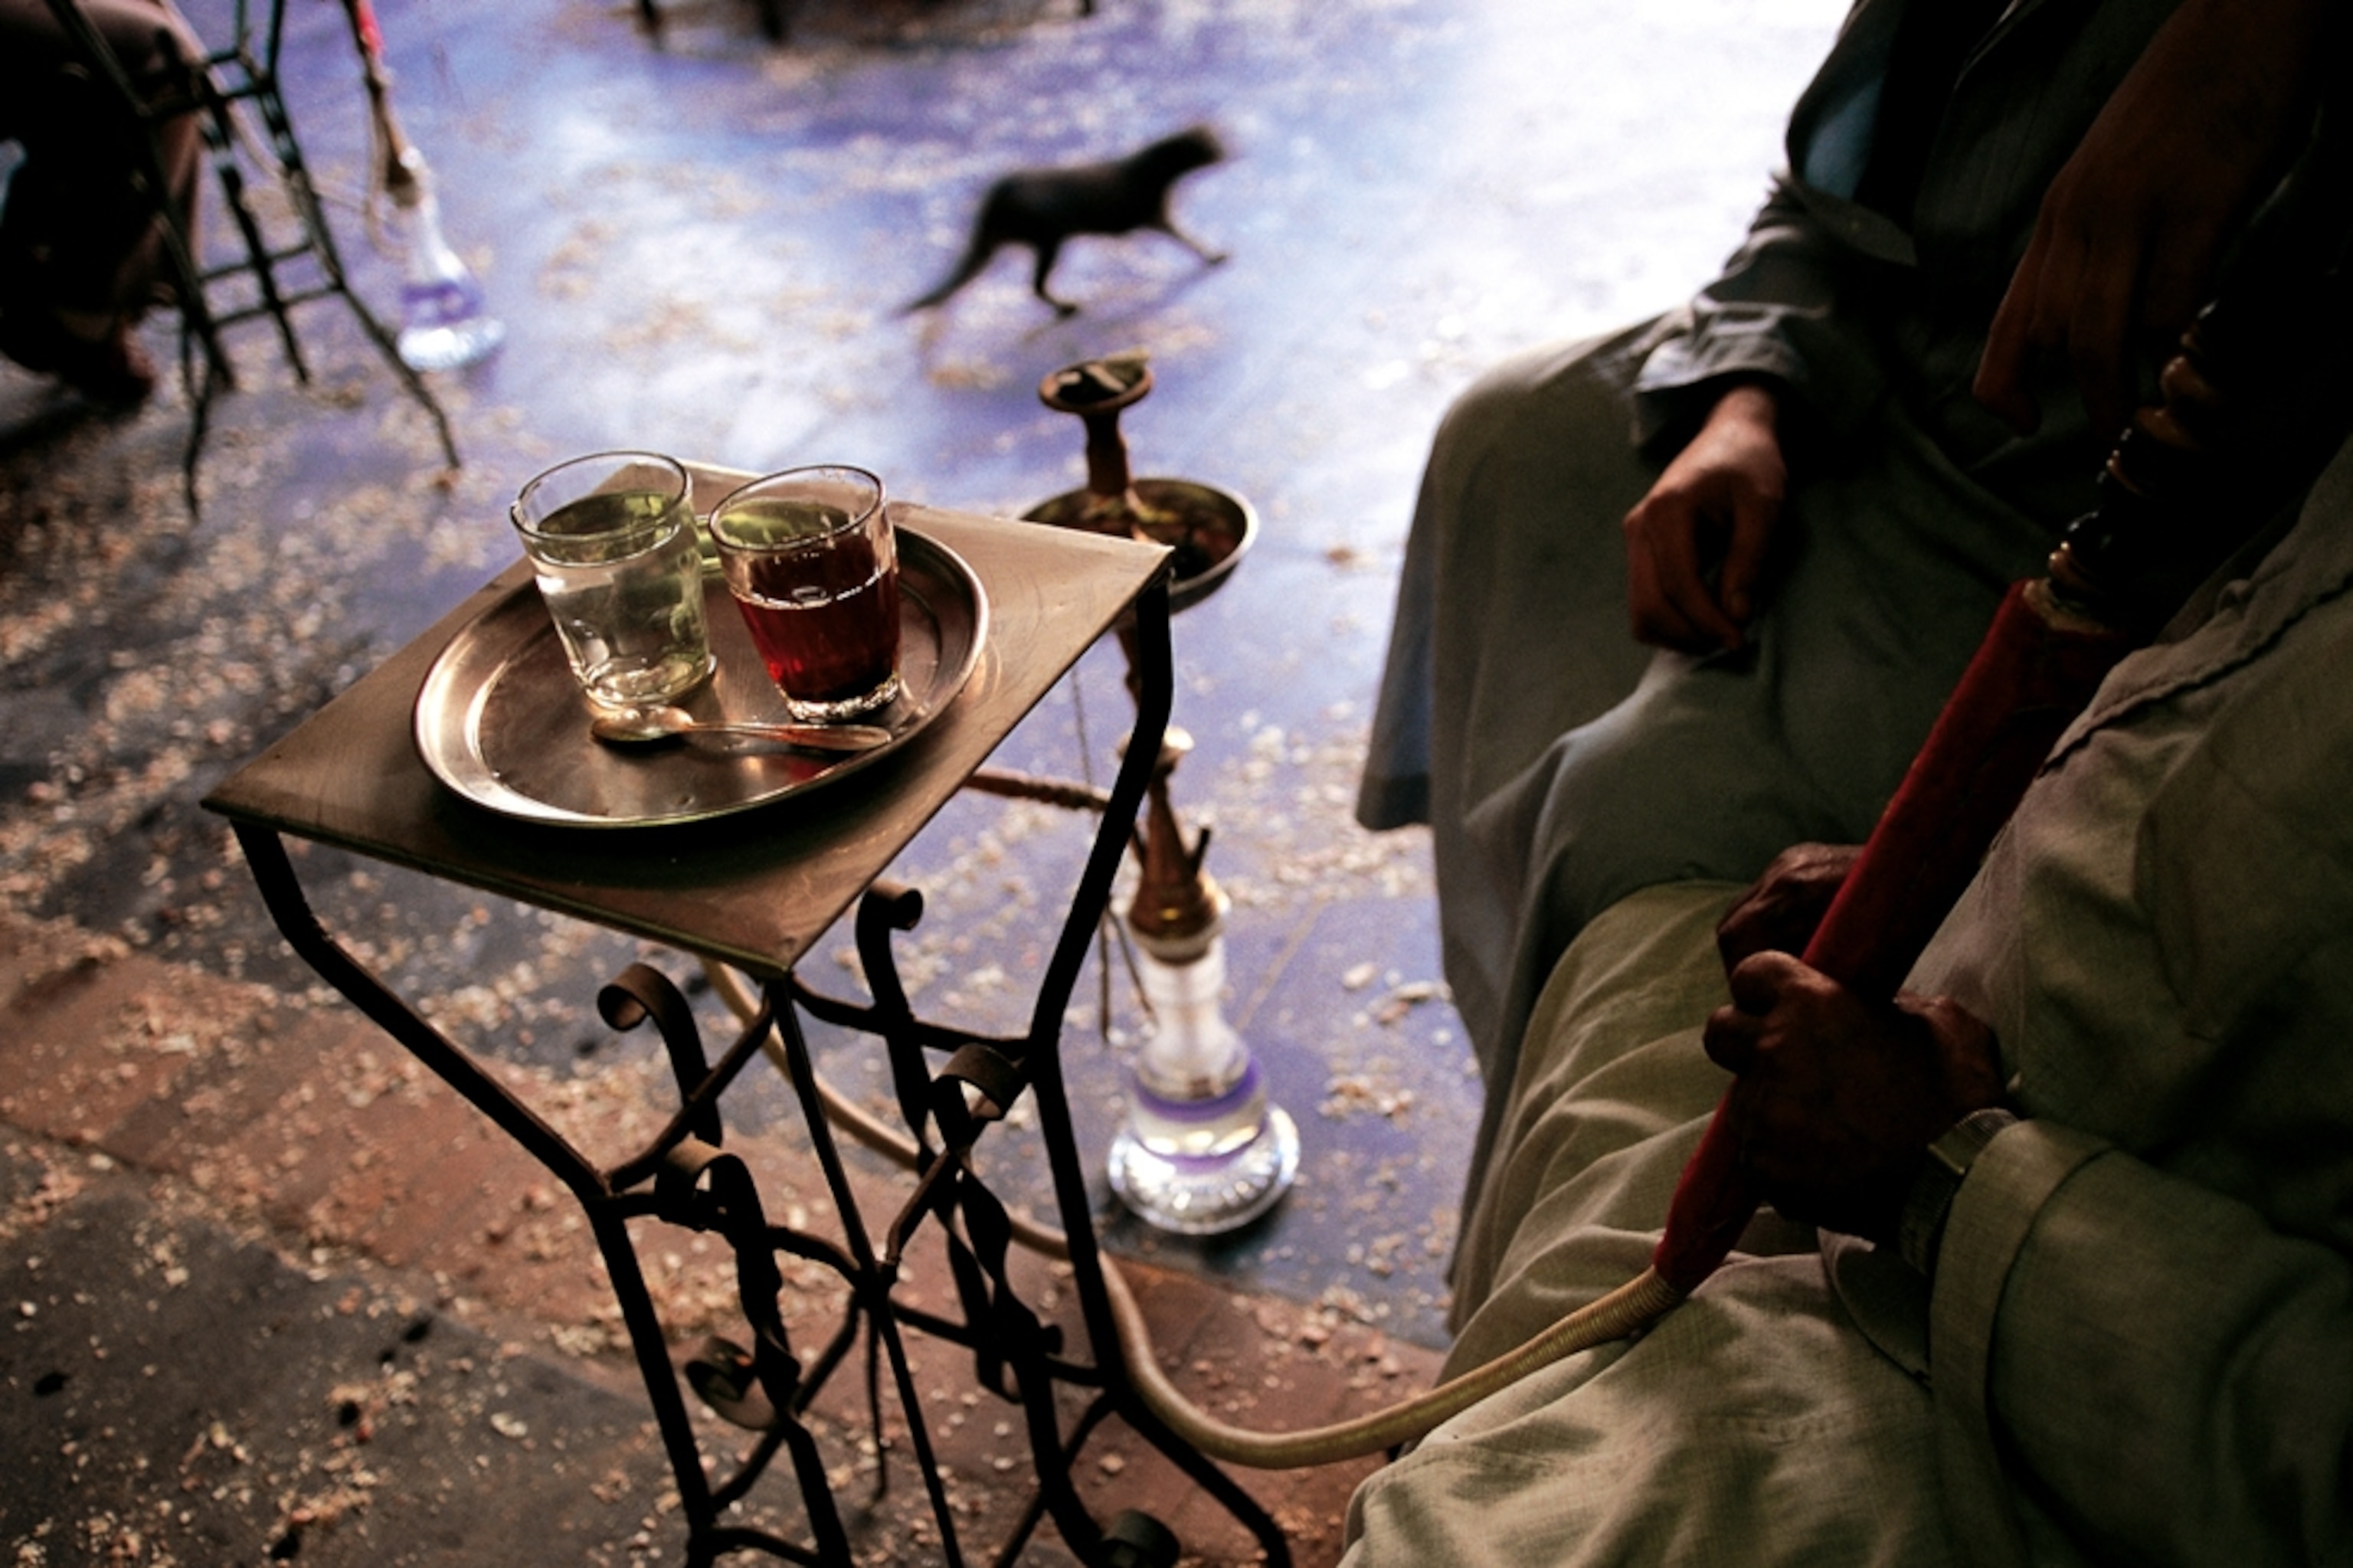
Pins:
x,y
755,891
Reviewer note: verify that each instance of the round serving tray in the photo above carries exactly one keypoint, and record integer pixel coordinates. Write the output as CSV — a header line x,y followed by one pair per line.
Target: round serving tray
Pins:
x,y
500,720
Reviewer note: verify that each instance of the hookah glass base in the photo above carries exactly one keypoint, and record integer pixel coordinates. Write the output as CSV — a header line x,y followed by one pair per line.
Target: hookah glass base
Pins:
x,y
1204,1165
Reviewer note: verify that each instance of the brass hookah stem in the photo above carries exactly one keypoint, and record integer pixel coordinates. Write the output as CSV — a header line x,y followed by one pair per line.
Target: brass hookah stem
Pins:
x,y
1098,391
1176,903
391,141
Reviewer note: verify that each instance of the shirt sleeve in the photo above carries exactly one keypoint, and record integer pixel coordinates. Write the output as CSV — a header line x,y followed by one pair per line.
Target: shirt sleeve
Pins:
x,y
2161,1370
1793,305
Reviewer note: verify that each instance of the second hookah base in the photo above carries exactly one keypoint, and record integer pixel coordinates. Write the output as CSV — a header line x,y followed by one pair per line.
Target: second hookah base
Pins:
x,y
1202,1149
1205,1194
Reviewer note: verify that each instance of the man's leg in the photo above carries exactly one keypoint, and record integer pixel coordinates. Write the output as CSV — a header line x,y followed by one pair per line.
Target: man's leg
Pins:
x,y
81,256
1511,622
1892,566
1753,1424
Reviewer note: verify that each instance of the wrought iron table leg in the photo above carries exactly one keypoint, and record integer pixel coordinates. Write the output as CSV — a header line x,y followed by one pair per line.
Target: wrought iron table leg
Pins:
x,y
882,1317
606,1198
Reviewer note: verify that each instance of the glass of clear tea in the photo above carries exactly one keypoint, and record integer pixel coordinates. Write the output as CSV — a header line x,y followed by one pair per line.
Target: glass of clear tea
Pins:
x,y
809,557
612,541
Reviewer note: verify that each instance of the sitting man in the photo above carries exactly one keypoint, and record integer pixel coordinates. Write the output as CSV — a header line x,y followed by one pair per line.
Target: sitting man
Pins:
x,y
2124,1331
82,254
2131,1340
1837,513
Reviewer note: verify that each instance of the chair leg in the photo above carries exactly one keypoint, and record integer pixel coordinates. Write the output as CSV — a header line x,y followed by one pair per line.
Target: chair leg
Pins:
x,y
262,262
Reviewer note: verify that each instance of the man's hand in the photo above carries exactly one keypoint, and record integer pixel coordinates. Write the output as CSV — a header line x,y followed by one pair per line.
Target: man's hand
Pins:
x,y
1837,1098
2125,249
1779,913
1715,507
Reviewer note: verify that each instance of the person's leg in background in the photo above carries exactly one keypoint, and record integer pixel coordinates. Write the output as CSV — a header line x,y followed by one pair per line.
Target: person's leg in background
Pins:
x,y
82,255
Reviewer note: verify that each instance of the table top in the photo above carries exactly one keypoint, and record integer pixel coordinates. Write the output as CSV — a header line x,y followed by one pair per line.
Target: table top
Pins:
x,y
753,889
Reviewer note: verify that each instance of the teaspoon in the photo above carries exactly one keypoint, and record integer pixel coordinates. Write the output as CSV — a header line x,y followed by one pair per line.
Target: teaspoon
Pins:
x,y
651,726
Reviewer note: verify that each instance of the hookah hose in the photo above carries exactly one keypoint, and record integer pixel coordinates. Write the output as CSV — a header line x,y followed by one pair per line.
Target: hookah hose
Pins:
x,y
1622,1312
2038,666
1918,856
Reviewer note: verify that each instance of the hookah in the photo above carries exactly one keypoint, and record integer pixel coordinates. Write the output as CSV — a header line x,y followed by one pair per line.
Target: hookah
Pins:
x,y
1201,1149
444,321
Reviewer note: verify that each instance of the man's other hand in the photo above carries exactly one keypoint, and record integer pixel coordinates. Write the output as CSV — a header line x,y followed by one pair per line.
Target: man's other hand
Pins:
x,y
1780,912
1836,1099
1712,511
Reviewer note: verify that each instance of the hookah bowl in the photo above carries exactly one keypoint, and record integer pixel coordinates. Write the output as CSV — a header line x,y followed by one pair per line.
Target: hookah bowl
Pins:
x,y
1210,529
1201,1150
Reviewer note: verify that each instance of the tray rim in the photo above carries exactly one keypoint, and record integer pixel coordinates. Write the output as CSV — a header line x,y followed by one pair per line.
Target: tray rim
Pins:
x,y
485,790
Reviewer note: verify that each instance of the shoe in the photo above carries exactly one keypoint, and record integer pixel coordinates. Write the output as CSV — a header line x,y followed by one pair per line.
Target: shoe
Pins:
x,y
111,369
114,369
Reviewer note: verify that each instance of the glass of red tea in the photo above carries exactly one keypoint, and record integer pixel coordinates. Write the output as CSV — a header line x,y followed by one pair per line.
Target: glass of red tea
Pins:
x,y
810,560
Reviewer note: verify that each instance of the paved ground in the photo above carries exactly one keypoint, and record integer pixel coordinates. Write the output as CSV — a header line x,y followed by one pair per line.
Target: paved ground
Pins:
x,y
701,248
271,1290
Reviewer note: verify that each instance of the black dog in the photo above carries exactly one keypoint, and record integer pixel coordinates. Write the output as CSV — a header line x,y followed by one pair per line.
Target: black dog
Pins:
x,y
1043,207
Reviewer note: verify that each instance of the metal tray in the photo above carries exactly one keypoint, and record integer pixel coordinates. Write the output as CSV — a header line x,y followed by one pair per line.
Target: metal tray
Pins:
x,y
500,721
